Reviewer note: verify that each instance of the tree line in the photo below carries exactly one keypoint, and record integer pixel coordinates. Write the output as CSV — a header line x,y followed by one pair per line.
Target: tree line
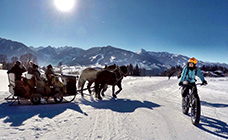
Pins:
x,y
25,59
214,68
136,71
173,71
176,71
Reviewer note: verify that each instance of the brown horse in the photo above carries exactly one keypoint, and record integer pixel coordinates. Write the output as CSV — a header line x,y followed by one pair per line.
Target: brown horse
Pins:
x,y
107,77
113,68
90,74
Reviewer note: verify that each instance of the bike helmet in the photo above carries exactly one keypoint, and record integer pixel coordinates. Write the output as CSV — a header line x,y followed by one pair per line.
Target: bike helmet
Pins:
x,y
192,60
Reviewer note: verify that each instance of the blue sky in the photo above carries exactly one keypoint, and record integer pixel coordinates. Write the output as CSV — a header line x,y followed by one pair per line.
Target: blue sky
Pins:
x,y
196,28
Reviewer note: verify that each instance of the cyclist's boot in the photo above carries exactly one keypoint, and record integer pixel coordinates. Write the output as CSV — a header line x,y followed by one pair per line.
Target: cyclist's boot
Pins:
x,y
184,92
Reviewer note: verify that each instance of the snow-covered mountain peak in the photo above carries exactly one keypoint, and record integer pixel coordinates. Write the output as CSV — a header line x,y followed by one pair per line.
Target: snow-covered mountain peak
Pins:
x,y
142,51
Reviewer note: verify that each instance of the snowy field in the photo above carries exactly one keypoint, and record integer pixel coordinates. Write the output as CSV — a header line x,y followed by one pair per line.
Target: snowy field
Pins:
x,y
148,108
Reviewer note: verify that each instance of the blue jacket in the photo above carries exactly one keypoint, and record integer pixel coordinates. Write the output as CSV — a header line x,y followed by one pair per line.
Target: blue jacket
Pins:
x,y
191,75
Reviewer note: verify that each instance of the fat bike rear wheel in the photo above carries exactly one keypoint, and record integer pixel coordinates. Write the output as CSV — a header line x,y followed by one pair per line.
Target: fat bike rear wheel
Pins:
x,y
195,111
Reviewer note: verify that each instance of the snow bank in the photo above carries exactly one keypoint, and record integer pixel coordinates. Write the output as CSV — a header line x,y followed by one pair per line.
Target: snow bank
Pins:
x,y
3,81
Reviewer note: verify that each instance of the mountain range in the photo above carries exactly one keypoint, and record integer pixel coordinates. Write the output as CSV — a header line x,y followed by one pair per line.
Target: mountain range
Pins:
x,y
154,61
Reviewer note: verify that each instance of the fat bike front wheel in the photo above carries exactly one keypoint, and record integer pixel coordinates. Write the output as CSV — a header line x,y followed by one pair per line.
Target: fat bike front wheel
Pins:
x,y
185,106
195,111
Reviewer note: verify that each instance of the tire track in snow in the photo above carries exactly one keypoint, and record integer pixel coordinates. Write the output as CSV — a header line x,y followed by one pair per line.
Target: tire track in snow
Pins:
x,y
107,130
169,124
100,126
121,126
95,125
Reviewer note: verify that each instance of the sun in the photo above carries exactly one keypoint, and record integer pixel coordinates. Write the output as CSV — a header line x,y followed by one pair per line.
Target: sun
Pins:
x,y
64,5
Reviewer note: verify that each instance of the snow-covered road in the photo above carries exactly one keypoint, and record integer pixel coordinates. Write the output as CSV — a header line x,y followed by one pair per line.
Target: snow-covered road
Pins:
x,y
148,108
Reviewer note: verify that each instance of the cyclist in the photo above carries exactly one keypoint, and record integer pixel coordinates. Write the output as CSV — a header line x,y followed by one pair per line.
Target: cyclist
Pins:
x,y
188,74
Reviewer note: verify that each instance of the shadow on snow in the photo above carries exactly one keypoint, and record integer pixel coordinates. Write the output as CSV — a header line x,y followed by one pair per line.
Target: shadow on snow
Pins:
x,y
16,115
119,105
217,105
214,126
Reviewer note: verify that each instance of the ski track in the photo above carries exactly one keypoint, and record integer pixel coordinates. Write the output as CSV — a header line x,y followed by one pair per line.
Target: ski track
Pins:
x,y
148,108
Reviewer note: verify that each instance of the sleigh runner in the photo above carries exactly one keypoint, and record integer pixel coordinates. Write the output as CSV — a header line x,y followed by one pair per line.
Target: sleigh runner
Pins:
x,y
34,91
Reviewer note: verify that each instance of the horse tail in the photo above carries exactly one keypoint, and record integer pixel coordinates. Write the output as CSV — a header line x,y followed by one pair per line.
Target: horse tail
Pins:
x,y
81,81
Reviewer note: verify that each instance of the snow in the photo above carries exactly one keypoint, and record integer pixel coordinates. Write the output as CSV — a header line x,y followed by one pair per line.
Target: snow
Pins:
x,y
11,48
219,71
3,81
132,55
112,58
95,57
184,58
124,54
119,60
147,108
176,55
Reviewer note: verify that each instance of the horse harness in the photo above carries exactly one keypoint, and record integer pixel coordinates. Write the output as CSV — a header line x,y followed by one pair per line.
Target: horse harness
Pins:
x,y
120,73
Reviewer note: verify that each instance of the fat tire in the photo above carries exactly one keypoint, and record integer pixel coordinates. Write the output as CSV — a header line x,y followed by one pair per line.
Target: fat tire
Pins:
x,y
195,111
185,107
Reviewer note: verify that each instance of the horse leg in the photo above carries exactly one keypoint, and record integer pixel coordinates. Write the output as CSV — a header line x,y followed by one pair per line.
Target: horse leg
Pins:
x,y
82,89
96,89
113,91
120,87
104,89
88,87
99,91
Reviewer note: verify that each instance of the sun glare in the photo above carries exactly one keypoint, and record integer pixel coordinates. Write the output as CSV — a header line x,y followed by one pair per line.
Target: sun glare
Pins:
x,y
64,5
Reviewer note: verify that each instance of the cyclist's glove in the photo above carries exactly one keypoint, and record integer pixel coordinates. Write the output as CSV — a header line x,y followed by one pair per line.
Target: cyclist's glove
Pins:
x,y
180,84
204,82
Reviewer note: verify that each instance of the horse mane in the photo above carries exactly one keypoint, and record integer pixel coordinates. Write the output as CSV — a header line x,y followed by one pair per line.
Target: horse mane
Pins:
x,y
110,67
124,70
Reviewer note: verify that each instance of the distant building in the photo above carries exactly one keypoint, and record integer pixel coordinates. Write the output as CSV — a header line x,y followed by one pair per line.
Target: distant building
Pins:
x,y
216,73
1,66
219,73
226,74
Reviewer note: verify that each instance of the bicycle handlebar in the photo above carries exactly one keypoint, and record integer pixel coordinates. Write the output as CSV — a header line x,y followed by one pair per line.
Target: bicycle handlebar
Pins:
x,y
201,84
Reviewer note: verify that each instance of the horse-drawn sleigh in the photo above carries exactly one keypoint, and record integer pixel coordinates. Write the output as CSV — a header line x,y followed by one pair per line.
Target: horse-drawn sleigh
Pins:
x,y
34,91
